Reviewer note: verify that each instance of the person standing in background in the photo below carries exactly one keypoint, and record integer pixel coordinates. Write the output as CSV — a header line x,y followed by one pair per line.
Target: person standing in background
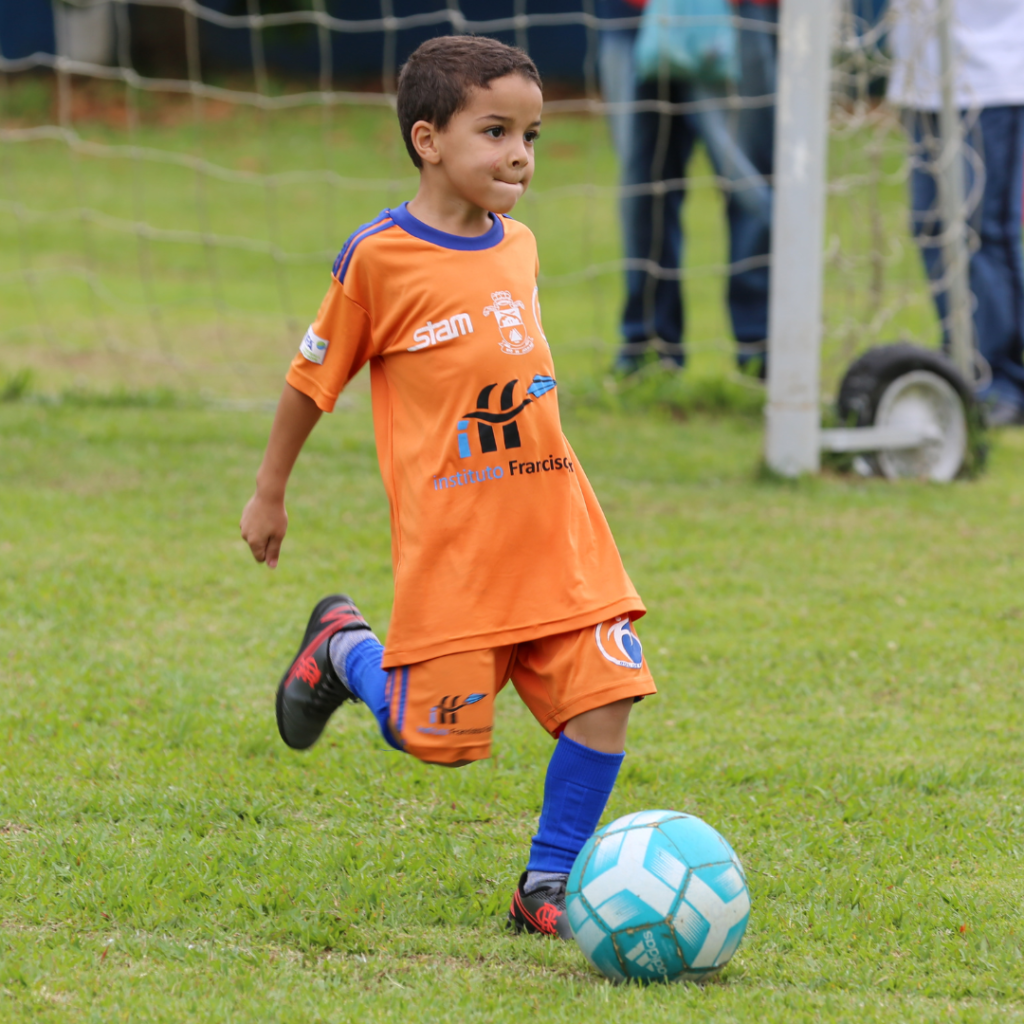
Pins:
x,y
655,146
988,60
616,67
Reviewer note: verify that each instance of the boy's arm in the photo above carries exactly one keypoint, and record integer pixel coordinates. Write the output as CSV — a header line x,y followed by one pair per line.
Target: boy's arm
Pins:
x,y
264,520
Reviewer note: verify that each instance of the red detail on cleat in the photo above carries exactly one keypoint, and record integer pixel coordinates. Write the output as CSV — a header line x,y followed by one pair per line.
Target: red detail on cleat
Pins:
x,y
306,669
336,620
341,617
547,919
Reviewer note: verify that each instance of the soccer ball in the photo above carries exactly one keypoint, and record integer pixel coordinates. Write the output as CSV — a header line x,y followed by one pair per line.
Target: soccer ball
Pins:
x,y
657,896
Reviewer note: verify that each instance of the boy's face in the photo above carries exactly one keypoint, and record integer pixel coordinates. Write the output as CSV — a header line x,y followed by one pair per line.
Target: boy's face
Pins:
x,y
486,151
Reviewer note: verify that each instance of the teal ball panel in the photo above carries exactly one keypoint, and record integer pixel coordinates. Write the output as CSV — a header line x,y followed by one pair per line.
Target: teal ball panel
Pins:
x,y
696,840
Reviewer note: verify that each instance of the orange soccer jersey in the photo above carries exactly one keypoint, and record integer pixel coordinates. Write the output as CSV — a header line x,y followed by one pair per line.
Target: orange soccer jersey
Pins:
x,y
496,535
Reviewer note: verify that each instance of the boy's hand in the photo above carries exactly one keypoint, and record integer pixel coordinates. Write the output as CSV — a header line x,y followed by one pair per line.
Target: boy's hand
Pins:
x,y
264,520
264,524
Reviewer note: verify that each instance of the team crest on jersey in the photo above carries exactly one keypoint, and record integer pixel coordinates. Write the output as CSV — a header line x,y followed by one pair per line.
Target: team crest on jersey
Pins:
x,y
623,644
514,339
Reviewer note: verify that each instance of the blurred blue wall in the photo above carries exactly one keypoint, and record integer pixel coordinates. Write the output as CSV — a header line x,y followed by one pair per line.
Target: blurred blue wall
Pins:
x,y
26,26
559,52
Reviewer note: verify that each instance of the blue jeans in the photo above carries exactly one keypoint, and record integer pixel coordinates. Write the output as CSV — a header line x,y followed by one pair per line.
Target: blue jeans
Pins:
x,y
656,147
997,267
615,68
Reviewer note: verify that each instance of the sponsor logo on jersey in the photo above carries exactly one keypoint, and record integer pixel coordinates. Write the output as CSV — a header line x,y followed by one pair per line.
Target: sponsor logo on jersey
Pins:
x,y
623,644
485,438
505,416
514,339
464,477
446,711
313,347
444,330
550,464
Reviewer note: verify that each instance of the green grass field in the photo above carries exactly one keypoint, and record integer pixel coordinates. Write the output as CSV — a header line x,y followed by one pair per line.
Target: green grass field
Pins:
x,y
838,660
840,693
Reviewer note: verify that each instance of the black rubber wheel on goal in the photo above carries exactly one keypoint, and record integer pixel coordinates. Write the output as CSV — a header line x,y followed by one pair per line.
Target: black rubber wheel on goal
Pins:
x,y
888,373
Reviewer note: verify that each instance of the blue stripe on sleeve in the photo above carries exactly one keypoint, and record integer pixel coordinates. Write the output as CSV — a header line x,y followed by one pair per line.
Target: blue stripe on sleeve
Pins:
x,y
381,222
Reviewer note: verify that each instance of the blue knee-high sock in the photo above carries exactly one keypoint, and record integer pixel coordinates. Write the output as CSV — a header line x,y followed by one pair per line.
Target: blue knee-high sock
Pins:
x,y
368,681
577,787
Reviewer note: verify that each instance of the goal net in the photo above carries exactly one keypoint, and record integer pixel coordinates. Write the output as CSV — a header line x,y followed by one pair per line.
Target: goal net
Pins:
x,y
176,177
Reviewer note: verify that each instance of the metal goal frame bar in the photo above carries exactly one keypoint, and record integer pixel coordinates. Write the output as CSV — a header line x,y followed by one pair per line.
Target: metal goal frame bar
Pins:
x,y
794,438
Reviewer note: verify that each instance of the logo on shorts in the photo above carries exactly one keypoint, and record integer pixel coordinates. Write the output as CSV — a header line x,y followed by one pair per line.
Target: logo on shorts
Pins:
x,y
621,640
514,339
445,712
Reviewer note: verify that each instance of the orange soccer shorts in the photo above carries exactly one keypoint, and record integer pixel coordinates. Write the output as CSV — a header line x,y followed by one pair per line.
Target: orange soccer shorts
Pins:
x,y
442,710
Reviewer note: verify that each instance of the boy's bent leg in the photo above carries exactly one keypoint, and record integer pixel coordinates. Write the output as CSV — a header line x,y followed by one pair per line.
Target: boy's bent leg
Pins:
x,y
441,711
356,659
311,689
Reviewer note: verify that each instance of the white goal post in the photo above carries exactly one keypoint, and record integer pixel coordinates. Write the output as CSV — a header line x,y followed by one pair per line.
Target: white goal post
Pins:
x,y
794,438
793,413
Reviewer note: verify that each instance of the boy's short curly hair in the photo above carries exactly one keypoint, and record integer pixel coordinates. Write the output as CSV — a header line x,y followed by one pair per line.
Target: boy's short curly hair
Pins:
x,y
435,81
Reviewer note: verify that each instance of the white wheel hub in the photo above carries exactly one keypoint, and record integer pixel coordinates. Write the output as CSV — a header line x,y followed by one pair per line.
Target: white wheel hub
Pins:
x,y
923,402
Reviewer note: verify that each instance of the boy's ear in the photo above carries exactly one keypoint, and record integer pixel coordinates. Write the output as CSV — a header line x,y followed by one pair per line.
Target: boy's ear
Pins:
x,y
424,141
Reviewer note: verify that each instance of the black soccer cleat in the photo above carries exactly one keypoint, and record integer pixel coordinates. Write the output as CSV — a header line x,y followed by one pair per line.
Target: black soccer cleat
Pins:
x,y
542,912
310,691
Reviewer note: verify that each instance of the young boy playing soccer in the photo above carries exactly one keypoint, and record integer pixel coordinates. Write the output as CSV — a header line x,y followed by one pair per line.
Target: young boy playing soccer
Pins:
x,y
504,566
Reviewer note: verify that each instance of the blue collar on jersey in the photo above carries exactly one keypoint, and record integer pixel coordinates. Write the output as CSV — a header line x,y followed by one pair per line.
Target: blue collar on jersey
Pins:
x,y
415,227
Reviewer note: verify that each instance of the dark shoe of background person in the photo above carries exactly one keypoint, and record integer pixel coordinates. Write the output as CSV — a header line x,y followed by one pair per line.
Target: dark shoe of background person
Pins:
x,y
636,356
626,364
310,690
541,911
1004,414
755,367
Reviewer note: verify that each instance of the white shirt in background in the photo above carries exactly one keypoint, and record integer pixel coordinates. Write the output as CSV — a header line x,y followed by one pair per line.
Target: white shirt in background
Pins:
x,y
988,53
